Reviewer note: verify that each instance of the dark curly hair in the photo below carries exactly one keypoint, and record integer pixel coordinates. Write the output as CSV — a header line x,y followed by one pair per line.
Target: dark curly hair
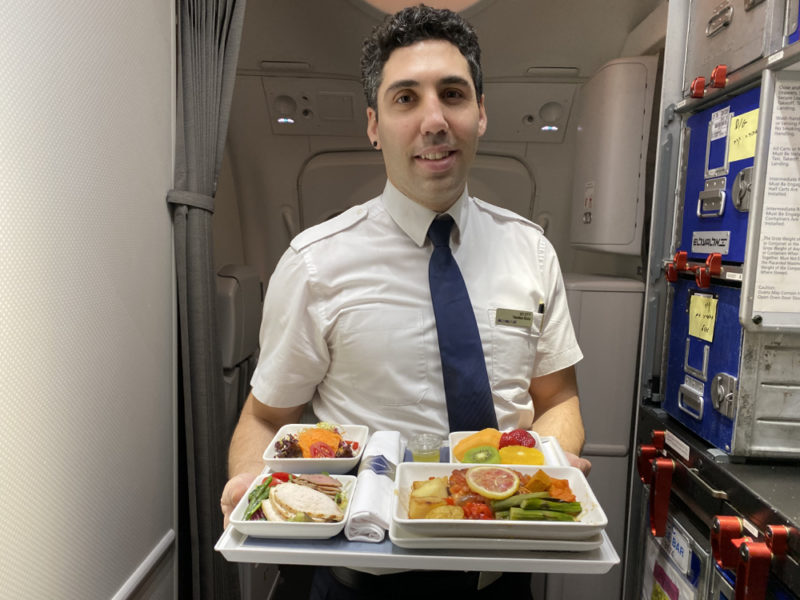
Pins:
x,y
411,25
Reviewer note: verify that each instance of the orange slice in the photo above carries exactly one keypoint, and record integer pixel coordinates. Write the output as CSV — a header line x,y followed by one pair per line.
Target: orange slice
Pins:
x,y
492,482
521,455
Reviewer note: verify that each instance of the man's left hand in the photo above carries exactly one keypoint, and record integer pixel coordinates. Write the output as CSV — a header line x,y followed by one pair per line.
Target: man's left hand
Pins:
x,y
576,461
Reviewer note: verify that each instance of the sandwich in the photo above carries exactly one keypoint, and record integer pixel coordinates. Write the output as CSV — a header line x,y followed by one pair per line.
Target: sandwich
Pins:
x,y
293,502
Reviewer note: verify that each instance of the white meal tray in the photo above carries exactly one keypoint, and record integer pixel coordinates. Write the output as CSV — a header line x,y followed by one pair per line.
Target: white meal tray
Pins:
x,y
339,551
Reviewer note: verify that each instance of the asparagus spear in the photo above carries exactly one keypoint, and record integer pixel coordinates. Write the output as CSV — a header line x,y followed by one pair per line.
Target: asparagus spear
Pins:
x,y
515,500
572,508
521,514
256,497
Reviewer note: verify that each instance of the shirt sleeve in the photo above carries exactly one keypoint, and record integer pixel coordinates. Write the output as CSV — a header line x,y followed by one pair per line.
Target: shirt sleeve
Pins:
x,y
294,356
558,347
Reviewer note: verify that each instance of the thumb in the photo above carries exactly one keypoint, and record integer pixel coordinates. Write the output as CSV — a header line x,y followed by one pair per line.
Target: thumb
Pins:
x,y
233,492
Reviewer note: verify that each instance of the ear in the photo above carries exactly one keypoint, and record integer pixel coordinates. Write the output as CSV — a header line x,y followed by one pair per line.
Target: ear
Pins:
x,y
482,116
372,125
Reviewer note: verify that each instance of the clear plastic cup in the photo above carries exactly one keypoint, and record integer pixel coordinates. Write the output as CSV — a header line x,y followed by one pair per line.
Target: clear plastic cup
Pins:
x,y
425,447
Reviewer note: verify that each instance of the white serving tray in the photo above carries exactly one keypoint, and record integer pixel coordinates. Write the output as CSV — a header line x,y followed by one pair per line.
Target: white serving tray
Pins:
x,y
339,551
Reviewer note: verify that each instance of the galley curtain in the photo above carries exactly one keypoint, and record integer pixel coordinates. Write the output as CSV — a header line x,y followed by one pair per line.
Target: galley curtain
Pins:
x,y
209,32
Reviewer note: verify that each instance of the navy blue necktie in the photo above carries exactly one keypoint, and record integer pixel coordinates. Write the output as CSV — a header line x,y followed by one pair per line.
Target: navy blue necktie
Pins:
x,y
466,384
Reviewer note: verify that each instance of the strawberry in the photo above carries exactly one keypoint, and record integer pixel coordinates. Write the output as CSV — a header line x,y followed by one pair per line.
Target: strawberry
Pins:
x,y
517,437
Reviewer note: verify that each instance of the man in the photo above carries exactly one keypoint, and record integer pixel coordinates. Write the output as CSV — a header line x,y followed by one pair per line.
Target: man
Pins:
x,y
349,322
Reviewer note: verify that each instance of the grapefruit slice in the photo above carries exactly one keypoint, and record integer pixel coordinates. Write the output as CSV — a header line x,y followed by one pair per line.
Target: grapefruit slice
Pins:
x,y
495,483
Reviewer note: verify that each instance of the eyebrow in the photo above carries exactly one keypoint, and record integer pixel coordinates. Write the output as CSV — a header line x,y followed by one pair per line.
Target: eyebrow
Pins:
x,y
411,83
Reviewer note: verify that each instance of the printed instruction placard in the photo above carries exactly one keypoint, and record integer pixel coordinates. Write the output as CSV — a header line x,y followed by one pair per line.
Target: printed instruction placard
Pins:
x,y
777,282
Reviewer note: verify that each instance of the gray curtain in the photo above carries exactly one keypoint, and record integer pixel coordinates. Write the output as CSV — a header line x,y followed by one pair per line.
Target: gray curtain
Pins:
x,y
209,33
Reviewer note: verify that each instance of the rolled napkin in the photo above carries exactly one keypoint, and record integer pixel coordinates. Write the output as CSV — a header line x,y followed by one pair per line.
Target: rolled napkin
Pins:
x,y
371,505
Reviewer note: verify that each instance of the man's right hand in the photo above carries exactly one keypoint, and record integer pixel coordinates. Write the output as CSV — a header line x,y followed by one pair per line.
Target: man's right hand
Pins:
x,y
233,492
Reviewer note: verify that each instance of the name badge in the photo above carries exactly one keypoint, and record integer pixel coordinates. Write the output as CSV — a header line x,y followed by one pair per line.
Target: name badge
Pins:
x,y
513,318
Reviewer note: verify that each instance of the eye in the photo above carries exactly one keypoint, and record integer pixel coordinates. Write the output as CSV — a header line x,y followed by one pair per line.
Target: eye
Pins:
x,y
403,98
454,94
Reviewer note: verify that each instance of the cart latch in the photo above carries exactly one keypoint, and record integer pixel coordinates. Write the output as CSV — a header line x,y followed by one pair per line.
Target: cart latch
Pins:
x,y
660,487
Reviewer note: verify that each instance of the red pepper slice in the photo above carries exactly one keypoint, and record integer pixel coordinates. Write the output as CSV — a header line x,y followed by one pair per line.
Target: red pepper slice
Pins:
x,y
477,511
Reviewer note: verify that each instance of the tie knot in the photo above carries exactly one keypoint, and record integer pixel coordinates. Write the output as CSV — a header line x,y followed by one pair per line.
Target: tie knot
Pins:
x,y
439,231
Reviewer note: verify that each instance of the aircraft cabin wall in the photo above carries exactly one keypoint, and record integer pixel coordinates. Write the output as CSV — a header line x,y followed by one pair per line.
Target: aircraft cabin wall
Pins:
x,y
302,64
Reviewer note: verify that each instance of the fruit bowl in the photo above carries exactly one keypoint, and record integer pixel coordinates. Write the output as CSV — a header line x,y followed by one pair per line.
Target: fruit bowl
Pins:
x,y
591,521
457,436
354,433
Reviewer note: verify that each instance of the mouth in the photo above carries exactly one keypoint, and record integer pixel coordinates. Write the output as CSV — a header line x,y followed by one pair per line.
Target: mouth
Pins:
x,y
435,155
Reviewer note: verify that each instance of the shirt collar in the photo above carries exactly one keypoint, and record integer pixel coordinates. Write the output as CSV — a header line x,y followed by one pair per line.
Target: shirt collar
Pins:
x,y
415,219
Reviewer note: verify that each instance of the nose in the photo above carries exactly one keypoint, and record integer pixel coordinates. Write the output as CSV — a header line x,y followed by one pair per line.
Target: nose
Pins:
x,y
434,120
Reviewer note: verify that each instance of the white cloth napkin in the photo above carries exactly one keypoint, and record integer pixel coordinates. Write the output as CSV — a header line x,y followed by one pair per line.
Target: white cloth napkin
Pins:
x,y
370,510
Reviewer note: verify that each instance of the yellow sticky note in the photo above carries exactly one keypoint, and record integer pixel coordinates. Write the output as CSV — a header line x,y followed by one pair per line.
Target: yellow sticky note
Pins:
x,y
702,316
742,136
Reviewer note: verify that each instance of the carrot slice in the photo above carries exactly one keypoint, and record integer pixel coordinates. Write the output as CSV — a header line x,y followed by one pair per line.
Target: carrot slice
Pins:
x,y
306,438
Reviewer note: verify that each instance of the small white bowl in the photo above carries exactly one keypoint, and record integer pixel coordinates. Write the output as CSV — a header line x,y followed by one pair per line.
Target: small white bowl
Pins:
x,y
457,436
275,529
351,433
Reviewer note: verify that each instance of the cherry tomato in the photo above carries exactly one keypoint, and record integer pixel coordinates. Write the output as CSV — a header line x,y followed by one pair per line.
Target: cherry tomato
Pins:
x,y
277,478
321,450
477,511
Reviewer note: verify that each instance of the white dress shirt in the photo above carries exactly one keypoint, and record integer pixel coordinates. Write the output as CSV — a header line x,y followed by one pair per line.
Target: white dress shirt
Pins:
x,y
348,321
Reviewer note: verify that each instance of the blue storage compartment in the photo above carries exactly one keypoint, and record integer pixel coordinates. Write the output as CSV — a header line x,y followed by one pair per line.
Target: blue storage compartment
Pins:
x,y
703,359
718,176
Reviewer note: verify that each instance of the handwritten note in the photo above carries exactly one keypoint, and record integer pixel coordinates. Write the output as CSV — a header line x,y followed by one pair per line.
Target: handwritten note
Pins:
x,y
742,139
702,316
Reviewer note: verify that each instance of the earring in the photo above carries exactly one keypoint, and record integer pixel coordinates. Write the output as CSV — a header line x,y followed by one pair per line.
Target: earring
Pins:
x,y
375,143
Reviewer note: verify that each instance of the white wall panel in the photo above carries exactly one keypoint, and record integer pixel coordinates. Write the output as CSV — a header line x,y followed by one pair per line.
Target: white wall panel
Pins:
x,y
86,304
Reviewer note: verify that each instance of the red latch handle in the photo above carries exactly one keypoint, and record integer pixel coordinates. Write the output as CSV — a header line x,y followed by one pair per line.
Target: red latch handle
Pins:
x,y
752,571
777,537
714,263
702,277
658,438
671,272
719,76
660,487
681,260
725,531
698,87
644,460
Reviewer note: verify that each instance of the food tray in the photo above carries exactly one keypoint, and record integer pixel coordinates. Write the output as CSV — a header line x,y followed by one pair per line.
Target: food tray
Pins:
x,y
590,522
408,539
339,551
